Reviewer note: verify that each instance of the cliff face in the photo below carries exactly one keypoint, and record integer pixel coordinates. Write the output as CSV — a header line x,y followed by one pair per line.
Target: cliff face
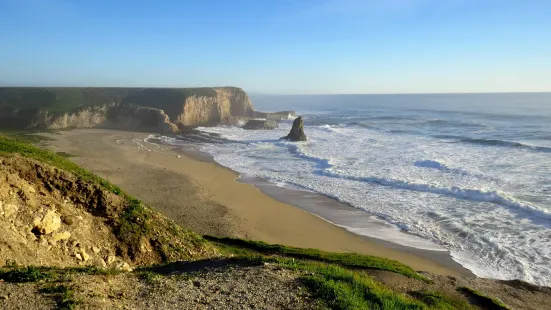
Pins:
x,y
228,103
163,110
118,116
83,118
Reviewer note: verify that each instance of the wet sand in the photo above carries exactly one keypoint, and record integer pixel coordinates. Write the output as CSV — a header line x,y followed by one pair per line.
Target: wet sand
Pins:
x,y
205,197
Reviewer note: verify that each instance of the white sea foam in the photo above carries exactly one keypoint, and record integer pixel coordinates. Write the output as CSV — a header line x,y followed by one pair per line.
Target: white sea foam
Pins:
x,y
488,203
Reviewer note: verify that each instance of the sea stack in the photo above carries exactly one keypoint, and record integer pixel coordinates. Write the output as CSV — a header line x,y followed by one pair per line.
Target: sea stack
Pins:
x,y
297,132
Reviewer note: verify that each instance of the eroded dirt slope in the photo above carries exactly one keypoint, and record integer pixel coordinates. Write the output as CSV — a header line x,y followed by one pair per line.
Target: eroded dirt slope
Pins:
x,y
50,217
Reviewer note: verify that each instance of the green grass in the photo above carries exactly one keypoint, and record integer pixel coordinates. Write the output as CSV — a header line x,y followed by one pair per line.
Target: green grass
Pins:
x,y
63,295
134,225
26,274
9,146
16,274
351,260
90,270
483,300
27,136
344,289
149,277
438,300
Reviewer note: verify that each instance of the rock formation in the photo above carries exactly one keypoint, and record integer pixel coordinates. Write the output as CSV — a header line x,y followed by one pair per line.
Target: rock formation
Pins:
x,y
133,117
297,131
195,107
260,124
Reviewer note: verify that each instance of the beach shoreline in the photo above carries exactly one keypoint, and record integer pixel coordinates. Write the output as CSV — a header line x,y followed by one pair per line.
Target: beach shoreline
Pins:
x,y
310,202
198,193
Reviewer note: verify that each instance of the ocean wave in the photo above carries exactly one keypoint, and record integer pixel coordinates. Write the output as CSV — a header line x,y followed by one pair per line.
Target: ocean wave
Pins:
x,y
432,164
495,142
477,195
324,166
330,128
321,163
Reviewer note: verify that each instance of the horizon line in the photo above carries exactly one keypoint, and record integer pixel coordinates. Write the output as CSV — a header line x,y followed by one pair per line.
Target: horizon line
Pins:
x,y
420,93
295,94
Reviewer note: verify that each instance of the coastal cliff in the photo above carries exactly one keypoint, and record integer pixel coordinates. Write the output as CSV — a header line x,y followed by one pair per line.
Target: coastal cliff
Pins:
x,y
72,239
228,103
157,109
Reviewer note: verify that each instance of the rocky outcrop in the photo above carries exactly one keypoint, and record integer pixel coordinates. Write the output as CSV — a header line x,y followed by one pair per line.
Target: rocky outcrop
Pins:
x,y
153,109
260,124
140,118
48,224
201,110
82,118
297,131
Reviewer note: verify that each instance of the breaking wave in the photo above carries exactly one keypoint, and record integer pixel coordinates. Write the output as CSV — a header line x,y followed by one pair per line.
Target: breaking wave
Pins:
x,y
495,142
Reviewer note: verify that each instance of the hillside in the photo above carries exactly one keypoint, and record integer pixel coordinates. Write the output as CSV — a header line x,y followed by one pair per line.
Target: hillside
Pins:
x,y
59,108
69,239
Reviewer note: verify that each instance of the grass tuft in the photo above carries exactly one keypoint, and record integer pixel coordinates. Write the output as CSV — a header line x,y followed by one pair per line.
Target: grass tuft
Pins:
x,y
25,274
26,136
63,295
483,300
346,289
133,226
149,277
49,274
10,146
438,300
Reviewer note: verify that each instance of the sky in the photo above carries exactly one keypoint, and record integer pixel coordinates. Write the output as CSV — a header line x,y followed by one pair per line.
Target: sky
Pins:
x,y
280,46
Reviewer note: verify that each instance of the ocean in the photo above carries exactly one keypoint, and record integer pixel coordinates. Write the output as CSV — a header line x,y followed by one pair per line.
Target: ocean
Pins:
x,y
468,173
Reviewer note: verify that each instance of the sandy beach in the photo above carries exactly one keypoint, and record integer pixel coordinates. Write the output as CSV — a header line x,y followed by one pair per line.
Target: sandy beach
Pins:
x,y
205,197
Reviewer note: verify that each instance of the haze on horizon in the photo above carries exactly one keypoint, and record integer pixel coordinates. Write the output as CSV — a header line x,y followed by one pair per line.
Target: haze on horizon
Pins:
x,y
280,47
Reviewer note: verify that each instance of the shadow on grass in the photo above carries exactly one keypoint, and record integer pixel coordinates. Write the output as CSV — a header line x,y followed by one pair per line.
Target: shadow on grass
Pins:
x,y
17,274
350,260
485,302
63,295
203,264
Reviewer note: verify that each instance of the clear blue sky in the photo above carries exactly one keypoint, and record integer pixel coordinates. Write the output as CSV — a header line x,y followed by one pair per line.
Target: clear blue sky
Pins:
x,y
280,46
